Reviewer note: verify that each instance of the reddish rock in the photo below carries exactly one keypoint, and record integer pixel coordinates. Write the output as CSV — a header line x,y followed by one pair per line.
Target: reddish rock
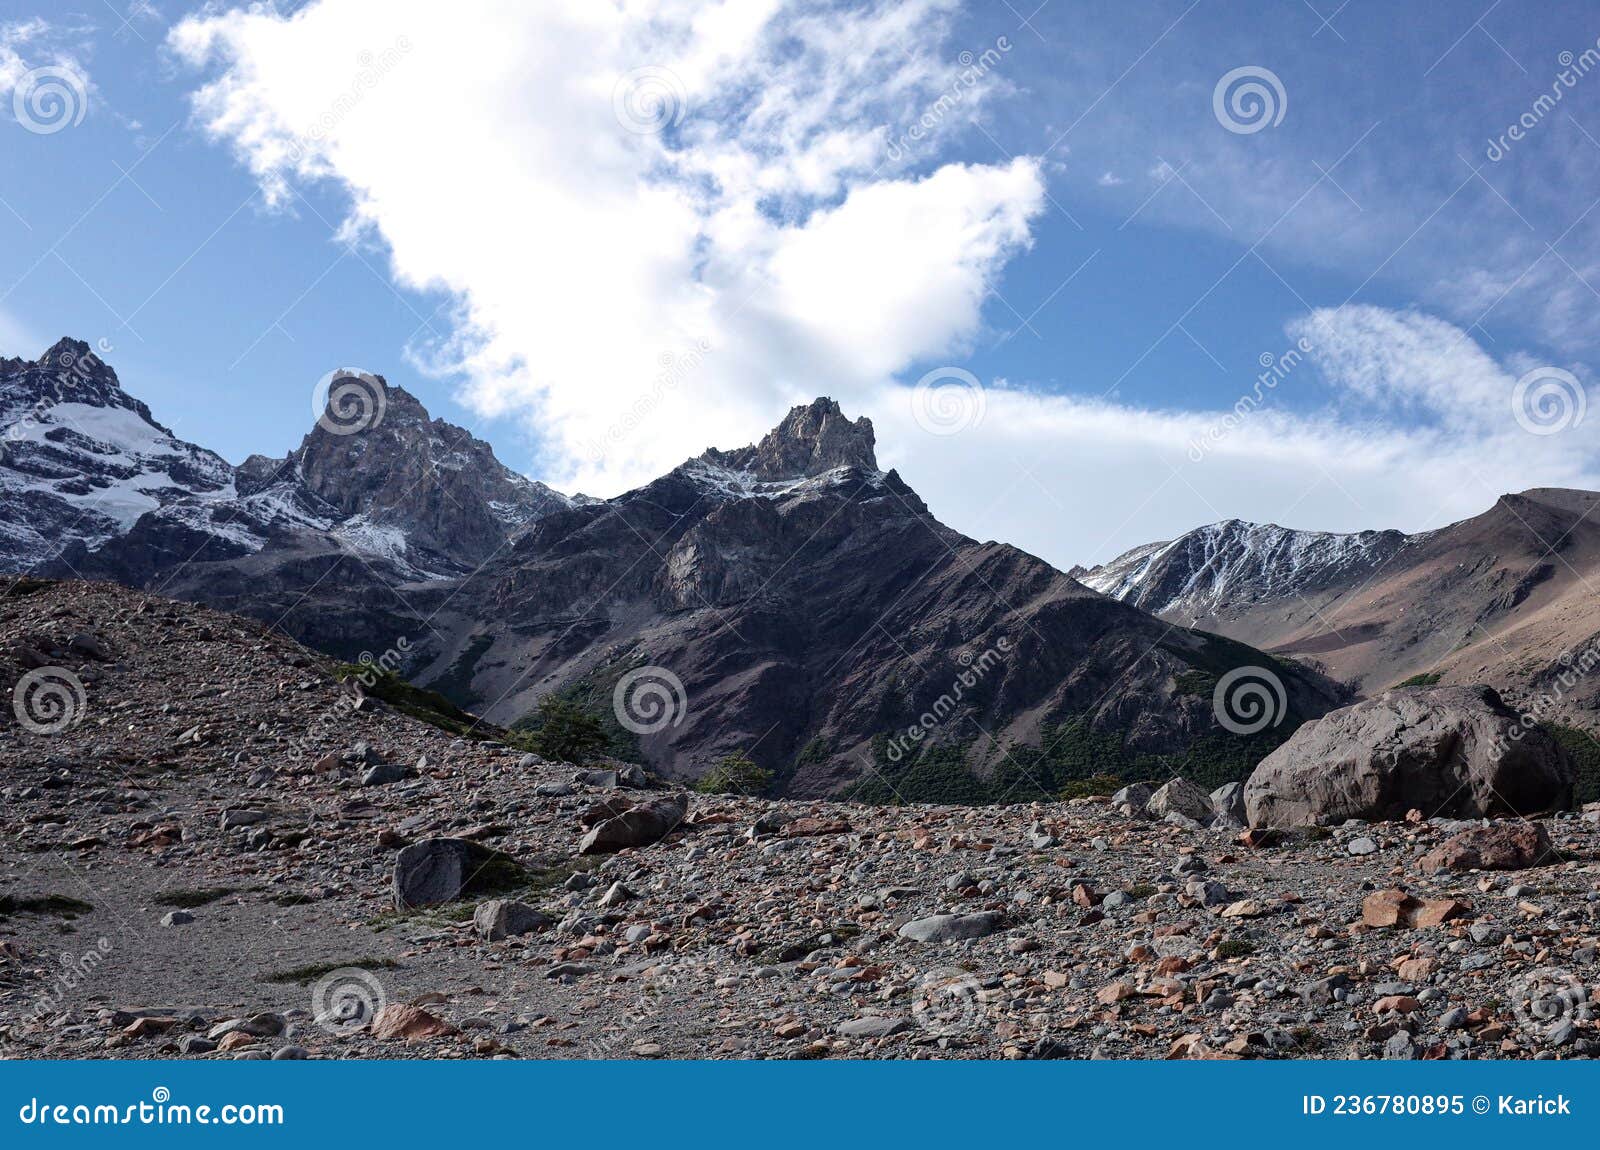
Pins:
x,y
1436,911
1396,908
397,1020
1387,908
1417,969
1397,1003
1502,846
806,827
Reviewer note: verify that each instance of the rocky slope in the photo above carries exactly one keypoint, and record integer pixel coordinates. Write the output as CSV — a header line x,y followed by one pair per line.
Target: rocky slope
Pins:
x,y
197,860
1505,598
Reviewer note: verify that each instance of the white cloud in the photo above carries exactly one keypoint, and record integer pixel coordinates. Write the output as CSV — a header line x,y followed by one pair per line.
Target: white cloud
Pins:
x,y
1077,480
496,149
638,296
17,339
26,45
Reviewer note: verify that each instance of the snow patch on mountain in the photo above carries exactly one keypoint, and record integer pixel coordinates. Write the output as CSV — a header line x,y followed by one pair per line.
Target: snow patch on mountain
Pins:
x,y
1223,565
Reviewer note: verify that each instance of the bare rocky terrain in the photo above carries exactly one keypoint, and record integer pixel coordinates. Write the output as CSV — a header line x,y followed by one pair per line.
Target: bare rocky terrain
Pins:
x,y
202,861
1505,598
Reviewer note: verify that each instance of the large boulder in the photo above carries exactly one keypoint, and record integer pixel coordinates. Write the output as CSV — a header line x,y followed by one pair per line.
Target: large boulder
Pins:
x,y
1454,752
443,870
1228,801
1180,796
503,917
952,927
638,826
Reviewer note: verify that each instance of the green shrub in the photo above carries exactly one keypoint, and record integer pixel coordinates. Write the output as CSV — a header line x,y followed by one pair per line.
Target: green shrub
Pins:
x,y
568,732
1585,754
734,775
1093,785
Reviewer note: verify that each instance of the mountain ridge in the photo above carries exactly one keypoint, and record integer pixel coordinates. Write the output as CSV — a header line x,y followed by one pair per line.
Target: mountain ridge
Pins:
x,y
807,605
1497,598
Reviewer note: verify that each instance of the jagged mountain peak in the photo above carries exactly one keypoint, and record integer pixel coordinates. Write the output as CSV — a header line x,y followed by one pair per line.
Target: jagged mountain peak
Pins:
x,y
81,460
812,438
70,371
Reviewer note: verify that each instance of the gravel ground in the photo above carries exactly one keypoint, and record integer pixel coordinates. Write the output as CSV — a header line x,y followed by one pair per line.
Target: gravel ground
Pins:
x,y
213,772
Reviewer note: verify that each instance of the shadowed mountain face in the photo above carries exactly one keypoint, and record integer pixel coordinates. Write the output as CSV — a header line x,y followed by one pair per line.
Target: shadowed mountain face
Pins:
x,y
807,612
1505,598
791,601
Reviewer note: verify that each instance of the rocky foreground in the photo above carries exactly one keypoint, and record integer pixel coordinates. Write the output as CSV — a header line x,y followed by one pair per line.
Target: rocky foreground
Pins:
x,y
228,852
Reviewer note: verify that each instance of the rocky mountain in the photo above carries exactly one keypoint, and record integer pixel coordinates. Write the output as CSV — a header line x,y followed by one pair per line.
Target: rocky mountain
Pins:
x,y
81,460
803,606
92,486
1223,571
1505,598
788,600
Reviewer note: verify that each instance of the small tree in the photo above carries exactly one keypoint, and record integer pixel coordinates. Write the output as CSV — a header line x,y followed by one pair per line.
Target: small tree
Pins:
x,y
568,732
734,775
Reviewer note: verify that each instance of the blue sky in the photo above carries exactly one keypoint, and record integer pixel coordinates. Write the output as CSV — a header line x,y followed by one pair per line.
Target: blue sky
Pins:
x,y
607,237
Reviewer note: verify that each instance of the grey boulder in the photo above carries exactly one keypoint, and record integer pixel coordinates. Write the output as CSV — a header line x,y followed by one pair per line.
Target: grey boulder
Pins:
x,y
442,870
1132,798
873,1027
1180,796
951,927
1452,752
638,826
382,774
1228,803
503,917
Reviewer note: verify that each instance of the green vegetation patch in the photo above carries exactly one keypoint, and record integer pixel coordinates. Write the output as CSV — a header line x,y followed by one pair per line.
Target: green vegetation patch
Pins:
x,y
1585,754
578,724
734,775
315,970
187,898
58,904
1426,679
418,702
